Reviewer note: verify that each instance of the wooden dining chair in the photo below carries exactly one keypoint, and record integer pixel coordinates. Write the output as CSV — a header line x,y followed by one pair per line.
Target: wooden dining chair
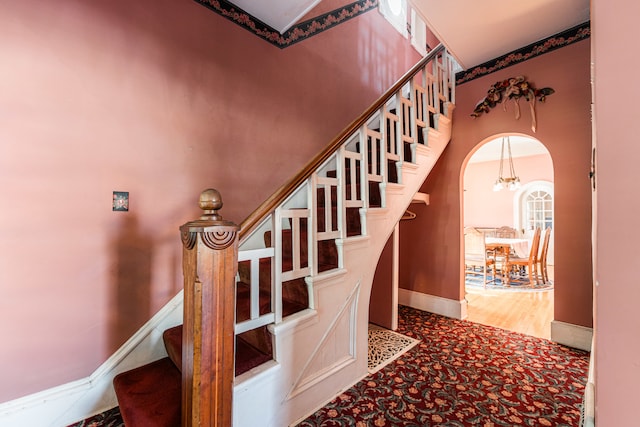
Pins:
x,y
506,232
475,254
531,262
542,258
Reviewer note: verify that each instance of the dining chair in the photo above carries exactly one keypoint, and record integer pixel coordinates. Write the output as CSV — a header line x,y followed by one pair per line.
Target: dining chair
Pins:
x,y
542,259
475,254
506,232
531,262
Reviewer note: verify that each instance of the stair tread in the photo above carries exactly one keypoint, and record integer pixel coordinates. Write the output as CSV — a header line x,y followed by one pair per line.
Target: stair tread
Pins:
x,y
247,356
172,338
150,395
243,303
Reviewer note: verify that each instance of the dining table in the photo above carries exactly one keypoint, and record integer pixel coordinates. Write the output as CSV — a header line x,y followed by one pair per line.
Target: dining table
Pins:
x,y
519,246
505,247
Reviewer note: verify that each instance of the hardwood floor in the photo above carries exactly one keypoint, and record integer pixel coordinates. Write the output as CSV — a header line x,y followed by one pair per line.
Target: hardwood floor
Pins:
x,y
526,312
529,313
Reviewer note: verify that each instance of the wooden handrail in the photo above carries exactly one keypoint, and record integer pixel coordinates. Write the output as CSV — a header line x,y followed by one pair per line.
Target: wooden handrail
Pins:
x,y
284,191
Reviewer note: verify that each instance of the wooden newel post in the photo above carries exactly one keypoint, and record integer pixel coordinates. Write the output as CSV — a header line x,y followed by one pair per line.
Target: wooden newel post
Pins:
x,y
210,262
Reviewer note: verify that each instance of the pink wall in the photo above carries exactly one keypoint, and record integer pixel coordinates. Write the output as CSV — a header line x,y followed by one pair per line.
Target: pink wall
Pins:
x,y
433,241
484,207
380,308
162,99
617,367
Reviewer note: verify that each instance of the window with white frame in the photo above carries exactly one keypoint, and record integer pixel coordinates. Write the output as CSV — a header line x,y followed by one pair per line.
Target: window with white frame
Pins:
x,y
539,210
410,25
535,206
418,33
395,11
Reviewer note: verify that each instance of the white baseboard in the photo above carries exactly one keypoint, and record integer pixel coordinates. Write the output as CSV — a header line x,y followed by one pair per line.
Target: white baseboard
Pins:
x,y
571,335
78,400
433,304
579,337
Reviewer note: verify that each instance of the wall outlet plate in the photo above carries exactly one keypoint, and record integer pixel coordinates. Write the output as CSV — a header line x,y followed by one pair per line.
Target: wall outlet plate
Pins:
x,y
121,201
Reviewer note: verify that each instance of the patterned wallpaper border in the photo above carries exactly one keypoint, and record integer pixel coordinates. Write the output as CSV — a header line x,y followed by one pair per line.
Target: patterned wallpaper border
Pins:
x,y
298,32
565,38
311,27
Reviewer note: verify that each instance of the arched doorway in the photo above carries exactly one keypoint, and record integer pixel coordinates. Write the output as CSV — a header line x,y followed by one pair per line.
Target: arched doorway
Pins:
x,y
524,209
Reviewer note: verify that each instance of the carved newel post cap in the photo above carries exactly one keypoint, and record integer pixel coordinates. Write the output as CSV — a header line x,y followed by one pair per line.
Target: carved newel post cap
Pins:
x,y
211,203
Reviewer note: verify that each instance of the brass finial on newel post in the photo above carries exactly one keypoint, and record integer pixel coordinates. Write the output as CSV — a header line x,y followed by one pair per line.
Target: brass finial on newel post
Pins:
x,y
210,263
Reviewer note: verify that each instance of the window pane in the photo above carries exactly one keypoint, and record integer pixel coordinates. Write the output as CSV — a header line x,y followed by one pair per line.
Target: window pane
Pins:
x,y
538,210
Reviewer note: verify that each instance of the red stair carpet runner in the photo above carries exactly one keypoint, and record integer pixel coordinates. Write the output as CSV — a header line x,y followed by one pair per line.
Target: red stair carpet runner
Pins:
x,y
152,391
151,395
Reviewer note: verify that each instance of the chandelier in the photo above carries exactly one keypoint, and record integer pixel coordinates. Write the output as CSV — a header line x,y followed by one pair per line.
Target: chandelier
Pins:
x,y
512,182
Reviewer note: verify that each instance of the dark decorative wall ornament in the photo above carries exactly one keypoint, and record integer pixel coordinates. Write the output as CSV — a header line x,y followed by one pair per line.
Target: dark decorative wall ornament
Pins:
x,y
513,89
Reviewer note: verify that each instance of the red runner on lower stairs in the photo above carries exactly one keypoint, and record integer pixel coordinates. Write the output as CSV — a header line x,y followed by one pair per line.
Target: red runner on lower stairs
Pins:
x,y
151,394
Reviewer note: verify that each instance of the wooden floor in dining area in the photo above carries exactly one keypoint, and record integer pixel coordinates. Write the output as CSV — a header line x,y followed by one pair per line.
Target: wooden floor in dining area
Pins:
x,y
529,313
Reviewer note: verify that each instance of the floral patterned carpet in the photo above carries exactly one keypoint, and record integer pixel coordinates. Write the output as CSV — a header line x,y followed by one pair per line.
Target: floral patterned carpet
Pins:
x,y
110,418
465,374
460,374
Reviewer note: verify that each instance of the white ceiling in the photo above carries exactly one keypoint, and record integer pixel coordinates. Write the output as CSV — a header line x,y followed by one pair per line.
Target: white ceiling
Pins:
x,y
521,146
278,14
478,31
474,31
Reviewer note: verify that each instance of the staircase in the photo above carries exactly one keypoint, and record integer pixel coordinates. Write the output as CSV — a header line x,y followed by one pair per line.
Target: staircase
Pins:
x,y
306,262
